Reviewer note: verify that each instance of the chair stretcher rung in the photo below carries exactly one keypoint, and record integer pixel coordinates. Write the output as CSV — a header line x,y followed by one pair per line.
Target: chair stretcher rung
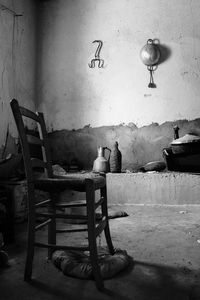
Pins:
x,y
70,204
98,203
42,224
64,216
63,247
71,230
101,226
42,203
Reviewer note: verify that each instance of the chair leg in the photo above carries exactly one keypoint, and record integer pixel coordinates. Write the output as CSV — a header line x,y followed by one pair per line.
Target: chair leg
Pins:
x,y
52,226
104,208
31,236
30,253
90,199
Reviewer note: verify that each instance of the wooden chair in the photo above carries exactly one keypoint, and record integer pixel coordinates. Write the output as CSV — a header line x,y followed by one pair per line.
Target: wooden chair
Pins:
x,y
54,184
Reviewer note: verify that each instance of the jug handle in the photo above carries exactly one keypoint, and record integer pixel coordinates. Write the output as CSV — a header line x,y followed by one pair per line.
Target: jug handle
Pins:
x,y
106,148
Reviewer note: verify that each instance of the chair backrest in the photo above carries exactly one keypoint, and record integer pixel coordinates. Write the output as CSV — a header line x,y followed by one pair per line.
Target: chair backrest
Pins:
x,y
26,139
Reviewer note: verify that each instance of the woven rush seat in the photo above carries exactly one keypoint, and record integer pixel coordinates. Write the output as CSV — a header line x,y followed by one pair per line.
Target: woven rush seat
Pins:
x,y
72,181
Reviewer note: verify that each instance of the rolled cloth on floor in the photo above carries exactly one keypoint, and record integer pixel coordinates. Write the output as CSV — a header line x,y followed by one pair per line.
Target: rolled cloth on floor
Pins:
x,y
77,263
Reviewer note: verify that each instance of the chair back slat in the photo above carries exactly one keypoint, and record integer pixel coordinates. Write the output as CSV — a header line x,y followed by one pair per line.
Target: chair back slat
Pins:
x,y
26,139
28,113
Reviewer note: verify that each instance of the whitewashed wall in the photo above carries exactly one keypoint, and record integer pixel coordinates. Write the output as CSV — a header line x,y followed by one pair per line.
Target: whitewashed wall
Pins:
x,y
17,60
72,95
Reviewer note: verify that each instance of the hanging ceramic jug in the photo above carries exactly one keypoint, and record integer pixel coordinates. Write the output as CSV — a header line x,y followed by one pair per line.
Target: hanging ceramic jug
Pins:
x,y
101,164
115,159
150,53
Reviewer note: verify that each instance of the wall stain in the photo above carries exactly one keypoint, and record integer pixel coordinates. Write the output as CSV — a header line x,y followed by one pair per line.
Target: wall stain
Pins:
x,y
138,145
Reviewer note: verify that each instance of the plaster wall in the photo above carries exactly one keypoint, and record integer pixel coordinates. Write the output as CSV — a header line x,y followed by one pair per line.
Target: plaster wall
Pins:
x,y
137,145
17,63
73,95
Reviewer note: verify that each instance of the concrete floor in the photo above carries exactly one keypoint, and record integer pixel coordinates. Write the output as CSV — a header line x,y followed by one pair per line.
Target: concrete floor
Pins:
x,y
163,240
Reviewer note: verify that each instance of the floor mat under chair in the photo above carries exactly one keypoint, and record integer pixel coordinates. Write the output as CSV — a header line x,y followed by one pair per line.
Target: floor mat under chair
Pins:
x,y
77,263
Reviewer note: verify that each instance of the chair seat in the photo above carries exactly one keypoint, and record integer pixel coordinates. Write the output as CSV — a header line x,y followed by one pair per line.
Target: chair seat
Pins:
x,y
75,181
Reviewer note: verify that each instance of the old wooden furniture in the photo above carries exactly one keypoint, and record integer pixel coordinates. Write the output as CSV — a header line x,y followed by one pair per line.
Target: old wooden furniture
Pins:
x,y
54,185
7,225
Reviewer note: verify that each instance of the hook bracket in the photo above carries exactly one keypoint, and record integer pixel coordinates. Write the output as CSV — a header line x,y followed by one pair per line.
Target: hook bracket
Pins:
x,y
97,56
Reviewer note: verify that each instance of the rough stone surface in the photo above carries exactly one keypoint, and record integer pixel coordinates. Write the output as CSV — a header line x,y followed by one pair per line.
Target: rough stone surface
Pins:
x,y
165,188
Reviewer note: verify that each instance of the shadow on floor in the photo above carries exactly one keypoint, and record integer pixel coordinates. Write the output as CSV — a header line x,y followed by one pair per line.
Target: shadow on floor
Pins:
x,y
142,280
166,264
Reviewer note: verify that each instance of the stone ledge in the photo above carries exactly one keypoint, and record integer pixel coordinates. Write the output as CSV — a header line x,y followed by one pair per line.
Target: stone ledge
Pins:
x,y
166,188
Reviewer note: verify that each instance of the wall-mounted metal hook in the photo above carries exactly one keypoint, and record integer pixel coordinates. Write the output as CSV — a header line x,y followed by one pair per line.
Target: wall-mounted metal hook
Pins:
x,y
97,56
151,69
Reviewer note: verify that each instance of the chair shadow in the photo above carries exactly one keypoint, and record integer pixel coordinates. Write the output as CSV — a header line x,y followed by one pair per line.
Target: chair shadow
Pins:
x,y
149,279
59,293
171,283
177,280
62,292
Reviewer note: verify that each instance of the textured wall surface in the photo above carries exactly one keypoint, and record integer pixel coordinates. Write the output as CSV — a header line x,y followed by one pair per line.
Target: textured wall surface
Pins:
x,y
72,95
137,145
17,63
